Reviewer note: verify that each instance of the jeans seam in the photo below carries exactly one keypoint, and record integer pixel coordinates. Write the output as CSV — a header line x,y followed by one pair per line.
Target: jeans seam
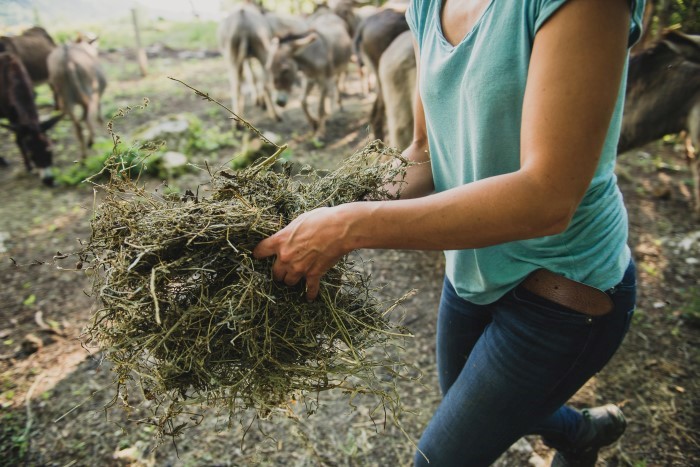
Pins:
x,y
573,364
589,330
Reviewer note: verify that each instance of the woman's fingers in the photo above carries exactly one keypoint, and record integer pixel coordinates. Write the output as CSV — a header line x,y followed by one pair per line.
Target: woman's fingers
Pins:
x,y
305,249
292,279
313,284
265,248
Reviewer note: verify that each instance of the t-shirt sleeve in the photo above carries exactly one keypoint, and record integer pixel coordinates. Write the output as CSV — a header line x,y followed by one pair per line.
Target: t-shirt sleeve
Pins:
x,y
542,10
416,15
411,17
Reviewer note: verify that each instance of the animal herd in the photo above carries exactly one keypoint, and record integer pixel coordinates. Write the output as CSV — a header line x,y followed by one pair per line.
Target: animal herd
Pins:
x,y
74,75
271,53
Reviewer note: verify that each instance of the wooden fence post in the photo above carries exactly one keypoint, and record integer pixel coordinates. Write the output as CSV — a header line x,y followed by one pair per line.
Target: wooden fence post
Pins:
x,y
140,53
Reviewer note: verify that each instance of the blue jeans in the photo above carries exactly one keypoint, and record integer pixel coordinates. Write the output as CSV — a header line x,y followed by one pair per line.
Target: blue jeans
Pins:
x,y
506,369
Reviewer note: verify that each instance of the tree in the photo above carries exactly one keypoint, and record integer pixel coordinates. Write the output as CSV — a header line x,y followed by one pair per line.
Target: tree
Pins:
x,y
661,15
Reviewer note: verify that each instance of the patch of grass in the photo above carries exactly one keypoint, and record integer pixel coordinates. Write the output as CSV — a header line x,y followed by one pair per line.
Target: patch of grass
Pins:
x,y
6,382
30,300
650,268
187,133
691,306
182,35
13,440
119,33
203,139
136,161
43,96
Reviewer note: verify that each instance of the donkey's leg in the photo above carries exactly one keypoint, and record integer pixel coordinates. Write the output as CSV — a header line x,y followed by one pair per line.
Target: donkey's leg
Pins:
x,y
305,104
692,145
325,87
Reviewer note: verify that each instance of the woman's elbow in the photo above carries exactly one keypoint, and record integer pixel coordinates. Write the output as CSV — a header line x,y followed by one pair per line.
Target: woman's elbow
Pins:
x,y
555,219
552,205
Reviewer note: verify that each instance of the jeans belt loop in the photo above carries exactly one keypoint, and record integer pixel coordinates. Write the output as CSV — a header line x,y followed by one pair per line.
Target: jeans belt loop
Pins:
x,y
569,293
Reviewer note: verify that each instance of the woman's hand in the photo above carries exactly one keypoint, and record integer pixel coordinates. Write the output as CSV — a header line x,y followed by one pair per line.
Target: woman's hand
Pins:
x,y
309,246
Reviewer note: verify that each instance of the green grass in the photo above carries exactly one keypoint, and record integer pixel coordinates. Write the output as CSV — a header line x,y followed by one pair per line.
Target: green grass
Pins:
x,y
691,306
199,139
119,34
13,439
44,97
131,158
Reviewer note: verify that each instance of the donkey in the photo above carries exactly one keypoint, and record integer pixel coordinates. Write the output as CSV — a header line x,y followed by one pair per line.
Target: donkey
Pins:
x,y
663,97
17,105
77,78
321,54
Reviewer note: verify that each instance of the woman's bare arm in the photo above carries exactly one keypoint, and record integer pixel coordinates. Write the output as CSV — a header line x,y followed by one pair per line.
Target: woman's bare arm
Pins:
x,y
419,177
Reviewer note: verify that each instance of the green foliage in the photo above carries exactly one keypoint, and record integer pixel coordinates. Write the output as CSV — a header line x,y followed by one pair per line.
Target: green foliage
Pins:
x,y
676,13
119,34
30,300
691,306
13,439
185,35
291,6
203,139
131,158
146,157
43,96
186,133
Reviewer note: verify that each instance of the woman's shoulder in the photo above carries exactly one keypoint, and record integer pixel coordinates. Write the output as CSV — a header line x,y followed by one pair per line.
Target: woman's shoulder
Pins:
x,y
539,11
418,13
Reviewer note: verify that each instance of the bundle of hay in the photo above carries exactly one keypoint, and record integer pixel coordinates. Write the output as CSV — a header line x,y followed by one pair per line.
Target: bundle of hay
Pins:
x,y
194,320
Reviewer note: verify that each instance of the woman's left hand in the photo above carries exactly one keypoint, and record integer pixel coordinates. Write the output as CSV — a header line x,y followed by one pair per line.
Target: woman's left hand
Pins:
x,y
308,247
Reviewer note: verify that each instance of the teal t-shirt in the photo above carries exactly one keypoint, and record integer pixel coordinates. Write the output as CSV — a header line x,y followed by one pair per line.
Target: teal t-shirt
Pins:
x,y
472,95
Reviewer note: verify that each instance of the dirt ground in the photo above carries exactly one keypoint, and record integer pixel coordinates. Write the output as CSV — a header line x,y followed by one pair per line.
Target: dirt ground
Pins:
x,y
52,393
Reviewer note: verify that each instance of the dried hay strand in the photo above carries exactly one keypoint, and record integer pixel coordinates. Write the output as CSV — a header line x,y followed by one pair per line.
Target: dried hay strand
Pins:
x,y
188,316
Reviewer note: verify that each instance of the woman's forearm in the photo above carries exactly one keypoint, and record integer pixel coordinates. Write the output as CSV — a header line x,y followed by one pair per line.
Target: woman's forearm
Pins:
x,y
488,212
418,180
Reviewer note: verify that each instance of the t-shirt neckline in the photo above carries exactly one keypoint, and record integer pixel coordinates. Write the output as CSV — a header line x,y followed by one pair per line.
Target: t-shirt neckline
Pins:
x,y
438,20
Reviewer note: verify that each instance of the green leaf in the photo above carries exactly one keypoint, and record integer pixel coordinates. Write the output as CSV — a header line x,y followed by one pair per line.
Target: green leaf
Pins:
x,y
29,301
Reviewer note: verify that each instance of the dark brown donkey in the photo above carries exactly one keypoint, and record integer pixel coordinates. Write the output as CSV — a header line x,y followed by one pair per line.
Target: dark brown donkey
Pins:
x,y
17,106
663,97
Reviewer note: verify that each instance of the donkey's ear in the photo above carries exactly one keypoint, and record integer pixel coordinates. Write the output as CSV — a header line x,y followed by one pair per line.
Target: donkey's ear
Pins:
x,y
47,124
684,45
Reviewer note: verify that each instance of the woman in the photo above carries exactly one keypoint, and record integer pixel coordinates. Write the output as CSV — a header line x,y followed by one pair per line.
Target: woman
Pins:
x,y
516,121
